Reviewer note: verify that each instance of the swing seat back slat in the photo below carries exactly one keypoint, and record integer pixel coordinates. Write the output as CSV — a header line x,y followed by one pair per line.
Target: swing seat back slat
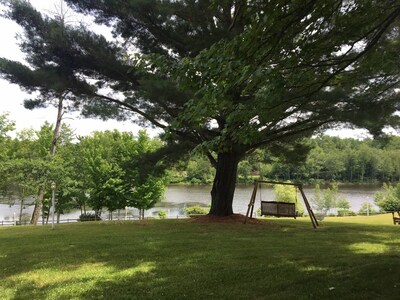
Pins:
x,y
278,209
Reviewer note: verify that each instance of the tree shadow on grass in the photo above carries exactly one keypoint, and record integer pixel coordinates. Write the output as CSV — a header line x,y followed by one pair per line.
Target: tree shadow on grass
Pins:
x,y
171,260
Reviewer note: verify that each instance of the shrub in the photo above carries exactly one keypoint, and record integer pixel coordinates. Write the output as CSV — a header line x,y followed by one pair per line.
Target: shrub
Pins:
x,y
367,209
388,199
195,181
162,214
320,216
287,193
25,218
345,212
343,204
324,200
258,212
89,217
196,210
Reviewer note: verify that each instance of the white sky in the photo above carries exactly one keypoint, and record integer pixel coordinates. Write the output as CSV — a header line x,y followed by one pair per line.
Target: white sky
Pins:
x,y
11,97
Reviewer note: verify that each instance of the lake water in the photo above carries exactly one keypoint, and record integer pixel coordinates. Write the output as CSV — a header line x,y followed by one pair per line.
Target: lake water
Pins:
x,y
179,197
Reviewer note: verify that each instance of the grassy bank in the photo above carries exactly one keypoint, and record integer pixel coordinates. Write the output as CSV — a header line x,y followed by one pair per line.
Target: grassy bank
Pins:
x,y
348,258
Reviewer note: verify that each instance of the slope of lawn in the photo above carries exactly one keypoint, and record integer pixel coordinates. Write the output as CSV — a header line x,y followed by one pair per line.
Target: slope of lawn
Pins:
x,y
346,258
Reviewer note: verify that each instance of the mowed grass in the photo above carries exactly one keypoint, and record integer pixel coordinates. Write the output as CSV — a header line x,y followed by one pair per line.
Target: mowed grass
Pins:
x,y
346,258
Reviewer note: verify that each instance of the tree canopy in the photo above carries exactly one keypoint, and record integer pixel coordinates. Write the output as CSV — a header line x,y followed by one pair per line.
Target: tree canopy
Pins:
x,y
226,76
97,171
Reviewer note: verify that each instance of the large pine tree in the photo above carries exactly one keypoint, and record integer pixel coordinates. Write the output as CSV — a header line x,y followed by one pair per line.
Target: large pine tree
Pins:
x,y
224,76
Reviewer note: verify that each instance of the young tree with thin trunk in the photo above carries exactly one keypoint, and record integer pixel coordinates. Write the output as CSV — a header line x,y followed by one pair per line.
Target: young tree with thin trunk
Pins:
x,y
56,135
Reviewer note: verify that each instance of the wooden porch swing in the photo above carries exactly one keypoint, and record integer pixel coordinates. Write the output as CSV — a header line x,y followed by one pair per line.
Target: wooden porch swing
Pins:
x,y
279,209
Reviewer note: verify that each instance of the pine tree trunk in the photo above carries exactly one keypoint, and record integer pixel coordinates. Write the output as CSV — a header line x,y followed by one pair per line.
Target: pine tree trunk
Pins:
x,y
224,184
57,127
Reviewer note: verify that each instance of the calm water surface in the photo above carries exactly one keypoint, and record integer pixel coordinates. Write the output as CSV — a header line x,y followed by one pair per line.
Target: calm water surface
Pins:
x,y
179,197
190,195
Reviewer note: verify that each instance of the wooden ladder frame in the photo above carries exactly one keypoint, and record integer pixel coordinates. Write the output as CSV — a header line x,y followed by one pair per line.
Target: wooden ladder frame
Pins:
x,y
396,220
257,183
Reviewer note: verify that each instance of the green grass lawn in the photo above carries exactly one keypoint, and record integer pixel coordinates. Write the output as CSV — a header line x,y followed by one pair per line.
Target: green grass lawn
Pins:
x,y
346,258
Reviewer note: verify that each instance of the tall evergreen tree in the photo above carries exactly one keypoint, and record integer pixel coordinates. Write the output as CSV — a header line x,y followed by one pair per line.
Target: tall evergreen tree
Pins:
x,y
224,76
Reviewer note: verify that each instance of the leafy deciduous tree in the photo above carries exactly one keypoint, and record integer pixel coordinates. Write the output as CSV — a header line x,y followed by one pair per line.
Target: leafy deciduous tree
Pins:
x,y
389,198
225,76
113,175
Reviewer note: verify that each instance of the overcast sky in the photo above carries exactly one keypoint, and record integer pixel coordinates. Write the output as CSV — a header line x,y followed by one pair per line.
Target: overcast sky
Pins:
x,y
11,97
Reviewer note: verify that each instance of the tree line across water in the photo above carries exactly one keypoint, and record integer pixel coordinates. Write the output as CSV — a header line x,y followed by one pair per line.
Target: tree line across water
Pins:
x,y
112,169
326,159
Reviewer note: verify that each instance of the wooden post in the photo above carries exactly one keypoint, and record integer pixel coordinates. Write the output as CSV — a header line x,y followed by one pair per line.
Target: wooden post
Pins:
x,y
396,220
310,212
251,203
252,207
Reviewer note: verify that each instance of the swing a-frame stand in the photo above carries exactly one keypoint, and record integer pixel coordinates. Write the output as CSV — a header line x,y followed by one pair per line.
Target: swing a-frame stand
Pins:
x,y
277,212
